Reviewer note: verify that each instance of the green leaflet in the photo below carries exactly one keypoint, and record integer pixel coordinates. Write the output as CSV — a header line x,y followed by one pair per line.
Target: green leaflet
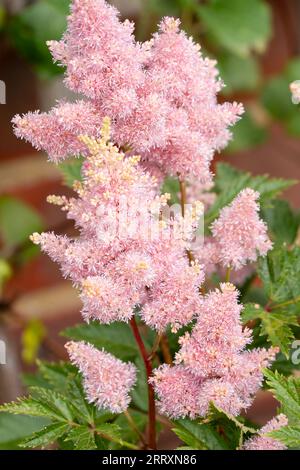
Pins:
x,y
71,170
239,26
199,436
275,325
46,436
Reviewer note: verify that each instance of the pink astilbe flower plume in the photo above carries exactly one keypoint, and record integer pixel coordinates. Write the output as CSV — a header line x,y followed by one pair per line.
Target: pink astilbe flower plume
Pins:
x,y
196,125
107,381
263,441
212,364
100,54
161,96
125,255
239,233
177,390
211,349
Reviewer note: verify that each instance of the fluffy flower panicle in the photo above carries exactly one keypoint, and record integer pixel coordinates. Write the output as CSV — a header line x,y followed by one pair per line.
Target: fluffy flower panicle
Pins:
x,y
107,380
161,96
126,255
239,233
211,349
212,364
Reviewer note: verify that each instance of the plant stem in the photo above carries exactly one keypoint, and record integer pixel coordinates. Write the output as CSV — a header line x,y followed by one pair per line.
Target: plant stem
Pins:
x,y
228,273
134,426
151,396
285,304
164,344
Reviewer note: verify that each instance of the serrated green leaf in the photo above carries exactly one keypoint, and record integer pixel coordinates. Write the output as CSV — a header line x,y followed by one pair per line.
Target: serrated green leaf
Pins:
x,y
71,170
287,391
116,338
288,435
30,406
282,221
45,436
199,436
275,325
55,401
82,437
237,25
234,428
17,221
280,272
14,429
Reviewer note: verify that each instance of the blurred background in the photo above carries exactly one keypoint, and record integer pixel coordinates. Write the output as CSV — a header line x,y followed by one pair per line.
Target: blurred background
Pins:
x,y
257,45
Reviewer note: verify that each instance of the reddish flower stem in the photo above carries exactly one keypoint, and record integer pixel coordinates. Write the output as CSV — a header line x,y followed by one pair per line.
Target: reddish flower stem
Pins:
x,y
151,396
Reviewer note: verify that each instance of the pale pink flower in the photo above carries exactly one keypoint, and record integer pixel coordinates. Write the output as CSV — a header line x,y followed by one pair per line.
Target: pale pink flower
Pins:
x,y
57,132
107,381
141,263
239,232
263,441
102,59
222,394
177,390
161,96
213,346
295,90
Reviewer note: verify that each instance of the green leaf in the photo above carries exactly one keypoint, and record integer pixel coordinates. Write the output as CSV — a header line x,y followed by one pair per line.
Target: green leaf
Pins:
x,y
71,170
29,406
116,338
30,29
229,182
140,391
288,435
282,222
55,401
287,391
280,271
199,436
233,427
237,25
17,221
246,134
239,74
14,429
82,437
45,436
275,325
276,98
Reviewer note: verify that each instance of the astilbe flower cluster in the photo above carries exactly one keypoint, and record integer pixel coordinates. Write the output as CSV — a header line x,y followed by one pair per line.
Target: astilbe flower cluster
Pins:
x,y
121,269
265,442
161,98
212,364
161,95
107,380
239,236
